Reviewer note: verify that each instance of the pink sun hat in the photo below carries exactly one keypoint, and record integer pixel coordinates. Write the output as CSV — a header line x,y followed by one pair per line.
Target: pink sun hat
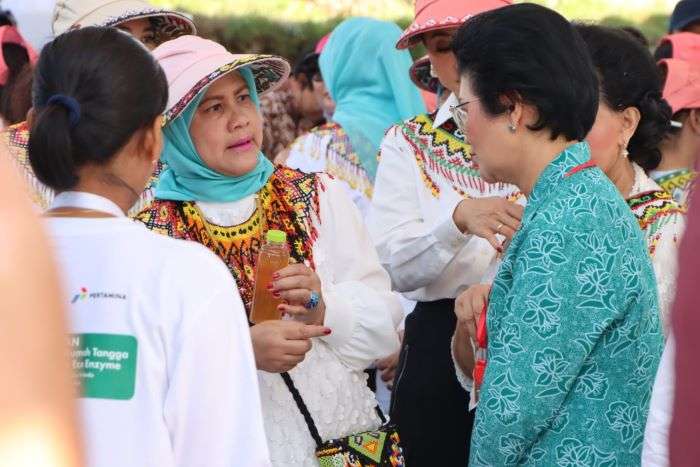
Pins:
x,y
684,45
192,63
442,14
682,88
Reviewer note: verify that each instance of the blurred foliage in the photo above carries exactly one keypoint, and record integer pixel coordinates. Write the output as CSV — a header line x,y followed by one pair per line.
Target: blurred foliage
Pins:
x,y
292,27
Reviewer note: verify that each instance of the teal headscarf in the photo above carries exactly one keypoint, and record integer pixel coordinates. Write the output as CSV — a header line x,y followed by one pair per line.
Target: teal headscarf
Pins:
x,y
369,81
187,178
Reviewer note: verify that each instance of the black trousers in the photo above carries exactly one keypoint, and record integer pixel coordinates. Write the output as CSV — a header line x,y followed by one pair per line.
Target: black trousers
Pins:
x,y
428,404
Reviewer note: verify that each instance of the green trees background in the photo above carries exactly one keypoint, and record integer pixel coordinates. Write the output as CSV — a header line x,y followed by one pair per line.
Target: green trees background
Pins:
x,y
289,27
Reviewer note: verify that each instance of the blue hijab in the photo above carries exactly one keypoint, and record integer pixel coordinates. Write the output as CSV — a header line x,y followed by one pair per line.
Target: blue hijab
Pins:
x,y
369,81
187,178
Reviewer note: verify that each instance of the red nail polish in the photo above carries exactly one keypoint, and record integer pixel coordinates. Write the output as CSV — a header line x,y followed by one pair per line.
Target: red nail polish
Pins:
x,y
276,294
327,332
276,275
280,307
270,286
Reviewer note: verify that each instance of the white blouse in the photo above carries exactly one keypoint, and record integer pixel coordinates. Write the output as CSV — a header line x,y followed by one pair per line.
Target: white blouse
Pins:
x,y
361,311
426,255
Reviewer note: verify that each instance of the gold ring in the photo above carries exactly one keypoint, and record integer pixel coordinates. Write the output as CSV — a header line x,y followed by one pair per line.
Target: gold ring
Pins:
x,y
498,229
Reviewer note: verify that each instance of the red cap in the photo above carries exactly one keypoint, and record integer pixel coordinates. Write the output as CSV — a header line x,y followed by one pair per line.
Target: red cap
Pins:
x,y
682,88
443,14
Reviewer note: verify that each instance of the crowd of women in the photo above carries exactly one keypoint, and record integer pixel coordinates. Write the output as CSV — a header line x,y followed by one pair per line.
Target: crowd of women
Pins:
x,y
483,244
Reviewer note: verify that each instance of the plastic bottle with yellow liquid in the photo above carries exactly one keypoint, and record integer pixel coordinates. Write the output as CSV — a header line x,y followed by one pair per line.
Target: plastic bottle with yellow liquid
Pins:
x,y
273,256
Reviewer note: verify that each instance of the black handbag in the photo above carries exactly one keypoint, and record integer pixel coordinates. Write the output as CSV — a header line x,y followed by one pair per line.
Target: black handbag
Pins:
x,y
379,448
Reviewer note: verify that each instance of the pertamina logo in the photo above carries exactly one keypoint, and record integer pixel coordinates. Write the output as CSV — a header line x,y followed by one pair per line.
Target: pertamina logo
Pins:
x,y
84,294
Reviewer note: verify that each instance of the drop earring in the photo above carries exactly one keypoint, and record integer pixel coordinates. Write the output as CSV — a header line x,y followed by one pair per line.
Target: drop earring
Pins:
x,y
511,128
624,152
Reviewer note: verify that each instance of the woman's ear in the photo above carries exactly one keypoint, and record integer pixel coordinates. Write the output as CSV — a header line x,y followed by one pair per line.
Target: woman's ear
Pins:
x,y
693,121
630,121
30,116
515,111
152,140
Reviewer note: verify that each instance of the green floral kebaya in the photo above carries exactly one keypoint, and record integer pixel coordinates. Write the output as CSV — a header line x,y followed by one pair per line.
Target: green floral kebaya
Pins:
x,y
573,327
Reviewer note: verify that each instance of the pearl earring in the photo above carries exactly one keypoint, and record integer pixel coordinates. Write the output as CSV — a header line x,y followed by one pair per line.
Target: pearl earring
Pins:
x,y
624,153
512,128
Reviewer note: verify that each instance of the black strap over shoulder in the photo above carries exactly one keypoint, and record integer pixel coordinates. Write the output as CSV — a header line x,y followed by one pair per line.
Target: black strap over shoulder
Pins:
x,y
307,415
303,409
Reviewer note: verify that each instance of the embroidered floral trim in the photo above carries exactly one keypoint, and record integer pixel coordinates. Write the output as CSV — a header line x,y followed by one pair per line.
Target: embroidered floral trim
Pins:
x,y
409,37
169,24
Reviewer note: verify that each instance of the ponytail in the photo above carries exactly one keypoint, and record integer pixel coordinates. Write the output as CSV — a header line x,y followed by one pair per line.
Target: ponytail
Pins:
x,y
51,153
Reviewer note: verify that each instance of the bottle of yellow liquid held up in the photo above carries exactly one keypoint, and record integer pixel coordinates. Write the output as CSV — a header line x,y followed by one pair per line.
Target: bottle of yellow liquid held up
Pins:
x,y
273,256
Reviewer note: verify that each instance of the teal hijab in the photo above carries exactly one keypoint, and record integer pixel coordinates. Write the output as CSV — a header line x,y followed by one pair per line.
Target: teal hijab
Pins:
x,y
369,81
187,178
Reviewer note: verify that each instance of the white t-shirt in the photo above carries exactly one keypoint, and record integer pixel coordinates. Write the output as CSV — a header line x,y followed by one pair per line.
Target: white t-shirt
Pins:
x,y
160,344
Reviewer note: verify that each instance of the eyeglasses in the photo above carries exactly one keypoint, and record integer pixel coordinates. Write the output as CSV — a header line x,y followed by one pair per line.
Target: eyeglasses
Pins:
x,y
460,116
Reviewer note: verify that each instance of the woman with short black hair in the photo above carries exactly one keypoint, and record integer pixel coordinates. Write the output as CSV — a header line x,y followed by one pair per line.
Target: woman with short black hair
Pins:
x,y
572,313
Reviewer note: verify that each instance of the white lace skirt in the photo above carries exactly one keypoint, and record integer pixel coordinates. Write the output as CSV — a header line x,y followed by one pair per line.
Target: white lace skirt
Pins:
x,y
337,398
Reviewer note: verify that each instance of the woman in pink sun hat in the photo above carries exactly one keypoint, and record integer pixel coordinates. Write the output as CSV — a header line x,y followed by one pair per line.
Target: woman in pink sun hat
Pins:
x,y
219,189
428,215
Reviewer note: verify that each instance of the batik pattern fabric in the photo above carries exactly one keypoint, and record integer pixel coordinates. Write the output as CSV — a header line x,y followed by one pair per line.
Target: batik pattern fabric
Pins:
x,y
573,326
663,222
16,138
288,202
442,153
678,184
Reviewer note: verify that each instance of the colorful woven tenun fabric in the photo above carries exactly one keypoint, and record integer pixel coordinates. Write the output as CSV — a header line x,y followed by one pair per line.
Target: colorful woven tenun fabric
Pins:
x,y
379,448
679,184
288,202
654,210
16,139
441,153
332,143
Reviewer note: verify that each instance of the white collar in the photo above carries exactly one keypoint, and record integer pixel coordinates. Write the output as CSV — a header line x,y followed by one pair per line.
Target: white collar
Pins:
x,y
83,200
443,113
